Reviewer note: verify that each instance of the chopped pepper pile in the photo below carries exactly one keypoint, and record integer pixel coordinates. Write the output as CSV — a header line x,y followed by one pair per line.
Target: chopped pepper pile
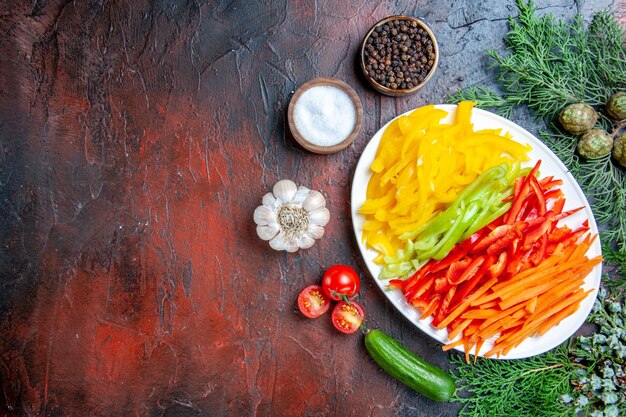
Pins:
x,y
409,186
480,203
520,275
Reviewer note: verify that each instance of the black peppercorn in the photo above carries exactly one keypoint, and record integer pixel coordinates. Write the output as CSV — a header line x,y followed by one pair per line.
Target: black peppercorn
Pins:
x,y
398,54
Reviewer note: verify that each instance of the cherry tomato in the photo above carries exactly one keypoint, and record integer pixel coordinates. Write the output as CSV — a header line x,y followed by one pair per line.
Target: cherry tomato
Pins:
x,y
347,317
312,301
341,282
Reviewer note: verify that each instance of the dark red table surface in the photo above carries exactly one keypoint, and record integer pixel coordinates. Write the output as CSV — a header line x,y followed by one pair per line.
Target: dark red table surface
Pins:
x,y
136,139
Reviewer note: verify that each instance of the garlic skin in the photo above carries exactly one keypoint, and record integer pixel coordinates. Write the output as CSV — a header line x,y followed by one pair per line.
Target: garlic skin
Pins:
x,y
291,217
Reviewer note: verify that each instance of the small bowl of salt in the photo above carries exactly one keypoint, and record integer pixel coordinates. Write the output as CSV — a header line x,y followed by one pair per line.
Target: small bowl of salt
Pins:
x,y
325,115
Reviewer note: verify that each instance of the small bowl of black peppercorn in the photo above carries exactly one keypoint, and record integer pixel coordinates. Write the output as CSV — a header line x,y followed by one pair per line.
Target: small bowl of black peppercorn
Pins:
x,y
399,55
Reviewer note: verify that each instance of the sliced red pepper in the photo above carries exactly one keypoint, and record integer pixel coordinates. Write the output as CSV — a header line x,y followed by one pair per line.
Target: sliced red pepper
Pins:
x,y
558,205
423,289
534,170
470,271
497,233
514,248
553,216
428,306
517,188
516,263
418,279
541,201
458,252
514,266
525,209
396,284
554,194
445,305
420,304
441,284
539,250
530,213
514,233
467,287
514,256
558,233
538,221
545,181
573,237
520,196
456,269
422,271
548,185
442,311
497,268
471,241
533,235
514,210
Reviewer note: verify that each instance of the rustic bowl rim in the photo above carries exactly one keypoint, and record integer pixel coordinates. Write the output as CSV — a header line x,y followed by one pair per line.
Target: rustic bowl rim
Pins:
x,y
398,91
333,82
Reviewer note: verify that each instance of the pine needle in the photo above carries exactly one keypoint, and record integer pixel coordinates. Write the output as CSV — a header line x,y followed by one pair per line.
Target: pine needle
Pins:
x,y
525,387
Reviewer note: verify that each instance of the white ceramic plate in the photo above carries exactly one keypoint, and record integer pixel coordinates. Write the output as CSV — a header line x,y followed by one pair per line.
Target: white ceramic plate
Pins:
x,y
550,165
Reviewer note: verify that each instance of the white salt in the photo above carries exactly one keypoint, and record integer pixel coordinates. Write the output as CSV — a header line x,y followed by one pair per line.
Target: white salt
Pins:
x,y
324,115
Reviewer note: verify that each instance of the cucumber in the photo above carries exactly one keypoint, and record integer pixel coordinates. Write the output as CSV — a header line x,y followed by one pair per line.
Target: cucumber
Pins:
x,y
425,378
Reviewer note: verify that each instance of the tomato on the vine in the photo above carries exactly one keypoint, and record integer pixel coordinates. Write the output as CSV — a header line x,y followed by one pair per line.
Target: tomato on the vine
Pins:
x,y
312,302
340,282
347,317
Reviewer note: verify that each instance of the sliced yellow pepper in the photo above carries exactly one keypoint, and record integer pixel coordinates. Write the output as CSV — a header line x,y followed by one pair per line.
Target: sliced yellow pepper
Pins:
x,y
381,243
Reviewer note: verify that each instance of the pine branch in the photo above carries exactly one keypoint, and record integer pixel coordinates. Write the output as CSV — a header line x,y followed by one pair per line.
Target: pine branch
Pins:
x,y
527,387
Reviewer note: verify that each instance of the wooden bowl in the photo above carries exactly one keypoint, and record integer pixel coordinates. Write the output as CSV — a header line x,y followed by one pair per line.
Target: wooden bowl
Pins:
x,y
398,91
333,82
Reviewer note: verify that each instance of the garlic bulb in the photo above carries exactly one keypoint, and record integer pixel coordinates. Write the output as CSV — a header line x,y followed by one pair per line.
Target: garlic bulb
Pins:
x,y
291,217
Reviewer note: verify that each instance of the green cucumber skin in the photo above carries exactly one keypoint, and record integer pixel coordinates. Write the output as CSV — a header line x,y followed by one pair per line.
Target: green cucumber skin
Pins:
x,y
425,378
